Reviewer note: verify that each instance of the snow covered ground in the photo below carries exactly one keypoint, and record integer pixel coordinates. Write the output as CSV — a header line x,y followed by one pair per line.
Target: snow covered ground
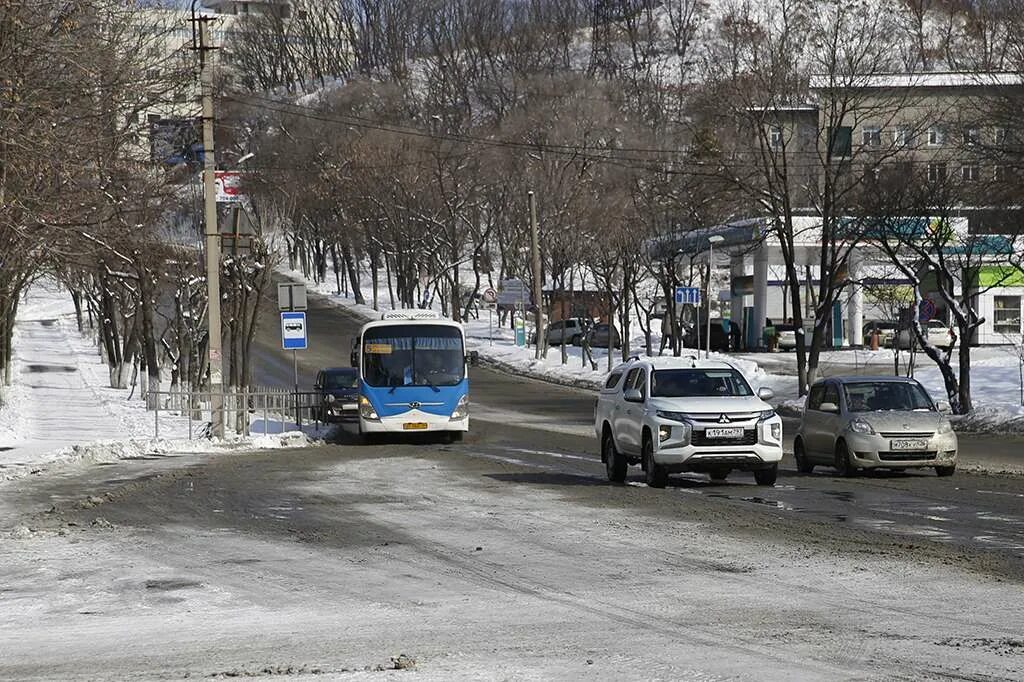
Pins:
x,y
60,409
995,370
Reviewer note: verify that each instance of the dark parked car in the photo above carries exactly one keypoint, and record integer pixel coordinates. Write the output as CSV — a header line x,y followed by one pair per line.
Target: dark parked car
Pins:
x,y
722,341
338,392
597,336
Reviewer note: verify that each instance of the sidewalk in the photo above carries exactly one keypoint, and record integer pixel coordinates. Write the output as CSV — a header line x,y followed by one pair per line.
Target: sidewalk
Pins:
x,y
60,402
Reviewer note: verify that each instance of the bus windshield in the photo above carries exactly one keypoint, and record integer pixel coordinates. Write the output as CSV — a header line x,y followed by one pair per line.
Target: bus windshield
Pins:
x,y
413,355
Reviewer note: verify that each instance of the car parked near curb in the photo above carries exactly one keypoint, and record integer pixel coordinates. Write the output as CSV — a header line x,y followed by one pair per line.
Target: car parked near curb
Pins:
x,y
938,333
671,414
855,423
337,390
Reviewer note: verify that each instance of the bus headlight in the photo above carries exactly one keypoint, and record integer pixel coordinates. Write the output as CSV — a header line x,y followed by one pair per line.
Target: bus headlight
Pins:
x,y
462,409
366,410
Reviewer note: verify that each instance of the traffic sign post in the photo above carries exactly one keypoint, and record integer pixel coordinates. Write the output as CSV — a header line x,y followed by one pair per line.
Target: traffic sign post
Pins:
x,y
490,298
294,338
291,296
926,311
688,295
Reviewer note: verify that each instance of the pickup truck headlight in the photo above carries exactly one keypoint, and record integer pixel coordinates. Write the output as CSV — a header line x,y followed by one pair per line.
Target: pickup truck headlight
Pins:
x,y
766,415
462,409
860,425
366,410
674,416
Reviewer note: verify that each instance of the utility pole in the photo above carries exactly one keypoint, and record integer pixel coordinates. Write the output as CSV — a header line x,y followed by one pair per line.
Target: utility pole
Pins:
x,y
537,284
212,231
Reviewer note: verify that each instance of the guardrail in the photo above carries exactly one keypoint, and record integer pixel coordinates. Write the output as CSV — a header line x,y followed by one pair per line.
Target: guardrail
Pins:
x,y
275,405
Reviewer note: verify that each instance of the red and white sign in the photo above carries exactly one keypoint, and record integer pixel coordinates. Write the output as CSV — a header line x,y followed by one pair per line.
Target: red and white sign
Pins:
x,y
229,185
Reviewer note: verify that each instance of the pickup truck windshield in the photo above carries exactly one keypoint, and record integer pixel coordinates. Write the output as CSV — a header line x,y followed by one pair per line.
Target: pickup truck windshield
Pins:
x,y
413,355
697,383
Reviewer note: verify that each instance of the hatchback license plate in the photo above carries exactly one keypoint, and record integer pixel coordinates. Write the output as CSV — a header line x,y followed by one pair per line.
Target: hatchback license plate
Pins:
x,y
908,444
723,433
414,426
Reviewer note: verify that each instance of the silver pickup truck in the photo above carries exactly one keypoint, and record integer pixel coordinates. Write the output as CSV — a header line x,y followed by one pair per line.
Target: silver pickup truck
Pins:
x,y
672,415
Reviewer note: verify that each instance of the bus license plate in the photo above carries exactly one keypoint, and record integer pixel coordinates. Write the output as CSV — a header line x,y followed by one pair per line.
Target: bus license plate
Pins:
x,y
414,426
915,444
723,433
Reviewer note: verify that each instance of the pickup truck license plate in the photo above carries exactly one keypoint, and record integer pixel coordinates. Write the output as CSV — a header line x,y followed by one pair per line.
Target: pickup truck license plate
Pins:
x,y
723,433
909,444
414,426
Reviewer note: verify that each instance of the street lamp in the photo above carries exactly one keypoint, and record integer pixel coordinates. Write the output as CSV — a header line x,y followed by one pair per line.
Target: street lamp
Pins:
x,y
712,240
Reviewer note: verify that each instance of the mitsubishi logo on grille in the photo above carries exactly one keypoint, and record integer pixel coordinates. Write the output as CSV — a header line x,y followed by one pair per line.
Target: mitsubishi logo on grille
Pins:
x,y
414,405
724,419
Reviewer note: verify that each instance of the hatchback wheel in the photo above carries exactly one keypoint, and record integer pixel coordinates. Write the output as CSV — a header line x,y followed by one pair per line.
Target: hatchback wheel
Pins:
x,y
844,462
614,463
655,474
945,471
803,465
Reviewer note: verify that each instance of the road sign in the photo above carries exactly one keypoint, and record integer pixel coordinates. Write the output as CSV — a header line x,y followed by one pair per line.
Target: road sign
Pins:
x,y
228,185
291,296
293,331
688,295
490,296
512,292
926,310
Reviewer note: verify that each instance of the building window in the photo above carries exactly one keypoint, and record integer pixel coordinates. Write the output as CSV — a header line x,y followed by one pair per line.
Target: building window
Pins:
x,y
902,136
153,74
969,173
871,136
841,141
1001,174
971,137
1000,136
937,171
775,138
1007,315
936,136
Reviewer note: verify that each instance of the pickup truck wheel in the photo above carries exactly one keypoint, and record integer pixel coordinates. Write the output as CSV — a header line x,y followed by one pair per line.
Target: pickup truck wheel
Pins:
x,y
614,463
654,473
803,465
767,476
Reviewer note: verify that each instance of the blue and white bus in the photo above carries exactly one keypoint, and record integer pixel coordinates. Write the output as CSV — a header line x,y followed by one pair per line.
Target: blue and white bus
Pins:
x,y
412,375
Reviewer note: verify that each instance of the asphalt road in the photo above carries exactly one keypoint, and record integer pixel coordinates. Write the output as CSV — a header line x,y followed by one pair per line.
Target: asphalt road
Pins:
x,y
969,511
507,556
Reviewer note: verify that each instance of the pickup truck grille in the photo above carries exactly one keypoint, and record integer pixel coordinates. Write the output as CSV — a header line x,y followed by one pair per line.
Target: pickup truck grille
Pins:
x,y
716,417
749,437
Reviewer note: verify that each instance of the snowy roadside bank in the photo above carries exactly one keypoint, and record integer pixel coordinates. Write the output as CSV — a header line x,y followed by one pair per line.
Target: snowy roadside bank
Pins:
x,y
60,410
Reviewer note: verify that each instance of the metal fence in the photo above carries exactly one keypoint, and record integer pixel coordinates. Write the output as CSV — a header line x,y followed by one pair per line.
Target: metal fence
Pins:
x,y
268,405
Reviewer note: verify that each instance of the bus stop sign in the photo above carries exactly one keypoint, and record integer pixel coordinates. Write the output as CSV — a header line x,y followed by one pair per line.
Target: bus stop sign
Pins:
x,y
293,331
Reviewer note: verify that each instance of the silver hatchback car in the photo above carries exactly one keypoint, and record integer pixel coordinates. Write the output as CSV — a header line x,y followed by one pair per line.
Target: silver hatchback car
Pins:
x,y
854,423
